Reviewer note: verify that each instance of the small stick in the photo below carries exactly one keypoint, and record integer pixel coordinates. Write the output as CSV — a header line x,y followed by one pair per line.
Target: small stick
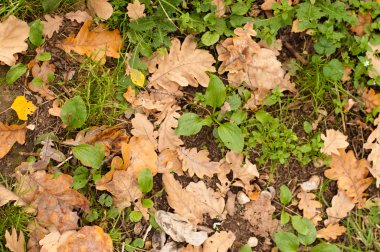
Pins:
x,y
296,54
64,161
146,233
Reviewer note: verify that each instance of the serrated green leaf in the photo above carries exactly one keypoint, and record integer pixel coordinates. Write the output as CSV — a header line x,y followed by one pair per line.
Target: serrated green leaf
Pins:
x,y
215,92
333,70
74,112
240,8
15,72
35,33
286,241
232,136
90,155
145,180
324,46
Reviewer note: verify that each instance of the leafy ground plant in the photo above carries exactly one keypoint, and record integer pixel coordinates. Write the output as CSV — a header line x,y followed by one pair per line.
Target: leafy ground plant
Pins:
x,y
185,125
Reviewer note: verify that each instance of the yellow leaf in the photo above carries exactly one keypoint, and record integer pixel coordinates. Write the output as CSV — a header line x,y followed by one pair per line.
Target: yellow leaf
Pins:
x,y
137,77
23,107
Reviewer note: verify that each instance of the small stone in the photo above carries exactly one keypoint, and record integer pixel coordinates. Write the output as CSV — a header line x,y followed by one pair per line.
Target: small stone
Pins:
x,y
242,198
137,228
252,242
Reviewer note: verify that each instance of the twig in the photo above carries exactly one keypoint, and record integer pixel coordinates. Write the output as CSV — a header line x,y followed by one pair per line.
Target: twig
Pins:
x,y
146,233
295,53
64,161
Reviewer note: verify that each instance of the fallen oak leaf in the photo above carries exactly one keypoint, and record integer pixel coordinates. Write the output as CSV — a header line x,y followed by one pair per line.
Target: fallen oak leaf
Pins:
x,y
143,155
197,163
219,242
168,161
78,16
6,196
332,141
371,99
13,33
9,135
55,110
341,205
102,8
23,107
141,126
331,232
14,242
373,143
311,208
96,44
51,25
167,139
135,10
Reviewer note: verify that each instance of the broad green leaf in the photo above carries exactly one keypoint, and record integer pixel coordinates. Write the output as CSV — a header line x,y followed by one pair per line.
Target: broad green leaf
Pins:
x,y
238,116
240,8
15,72
333,70
305,228
147,203
324,247
135,216
285,195
35,33
324,46
90,155
307,127
232,136
190,124
112,213
284,218
45,56
145,180
235,101
80,178
215,93
74,112
209,38
245,248
50,5
286,242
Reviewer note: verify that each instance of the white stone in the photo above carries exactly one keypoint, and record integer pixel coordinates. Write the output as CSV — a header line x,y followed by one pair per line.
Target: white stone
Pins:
x,y
252,242
242,198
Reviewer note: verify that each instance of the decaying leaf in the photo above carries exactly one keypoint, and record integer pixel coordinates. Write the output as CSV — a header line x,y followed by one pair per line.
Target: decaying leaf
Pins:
x,y
9,135
13,33
143,155
311,207
364,19
55,110
331,232
179,228
123,187
332,141
6,196
371,99
351,175
102,8
197,163
183,66
341,205
14,242
219,242
259,212
142,127
373,143
167,139
220,7
49,152
43,72
51,25
135,10
96,44
23,107
78,16
199,200
374,71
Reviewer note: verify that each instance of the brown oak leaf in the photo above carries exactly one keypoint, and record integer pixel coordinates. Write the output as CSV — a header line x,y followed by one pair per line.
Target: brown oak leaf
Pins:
x,y
351,175
51,25
167,139
197,163
168,161
96,44
102,8
371,99
9,135
373,143
341,205
6,196
143,155
219,242
332,141
331,232
78,16
135,10
183,66
311,207
13,33
141,126
14,242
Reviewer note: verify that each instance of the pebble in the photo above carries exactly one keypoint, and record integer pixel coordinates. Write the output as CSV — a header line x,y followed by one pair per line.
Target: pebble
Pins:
x,y
242,198
252,242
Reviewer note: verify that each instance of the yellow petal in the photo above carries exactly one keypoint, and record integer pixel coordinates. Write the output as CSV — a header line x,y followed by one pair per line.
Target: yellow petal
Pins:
x,y
23,107
137,77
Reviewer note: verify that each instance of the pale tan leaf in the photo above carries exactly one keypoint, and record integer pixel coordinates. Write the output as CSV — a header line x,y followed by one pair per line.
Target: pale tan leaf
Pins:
x,y
246,173
331,232
78,16
9,135
311,207
332,141
102,8
96,44
371,99
53,240
197,163
350,173
13,33
14,242
168,162
374,71
143,155
373,143
167,139
267,5
141,126
135,10
219,242
185,65
341,205
6,196
220,7
55,110
179,228
51,25
364,19
123,187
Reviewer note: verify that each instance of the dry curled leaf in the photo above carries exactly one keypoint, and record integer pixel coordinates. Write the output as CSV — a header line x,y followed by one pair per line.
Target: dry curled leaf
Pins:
x,y
96,44
371,99
23,107
351,175
179,228
331,232
311,208
51,25
341,205
13,33
14,242
78,16
183,66
142,127
102,8
332,141
135,10
219,242
9,135
6,196
197,163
